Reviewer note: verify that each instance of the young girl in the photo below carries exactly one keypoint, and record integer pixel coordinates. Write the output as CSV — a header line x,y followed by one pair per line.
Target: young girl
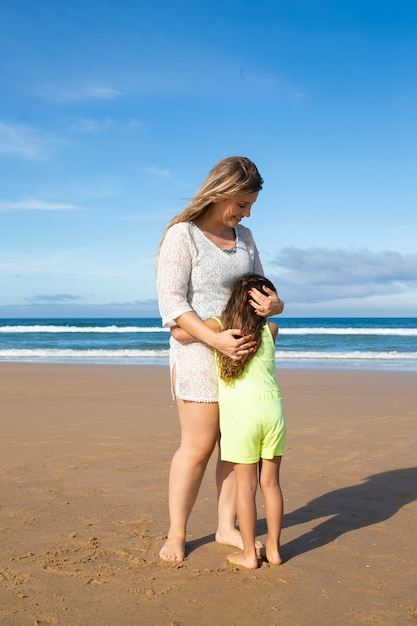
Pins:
x,y
252,422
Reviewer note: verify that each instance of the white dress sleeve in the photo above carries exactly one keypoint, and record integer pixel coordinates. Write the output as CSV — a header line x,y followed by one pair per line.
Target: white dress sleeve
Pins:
x,y
173,274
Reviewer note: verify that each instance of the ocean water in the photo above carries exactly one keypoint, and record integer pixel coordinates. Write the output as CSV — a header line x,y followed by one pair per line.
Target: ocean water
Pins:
x,y
343,343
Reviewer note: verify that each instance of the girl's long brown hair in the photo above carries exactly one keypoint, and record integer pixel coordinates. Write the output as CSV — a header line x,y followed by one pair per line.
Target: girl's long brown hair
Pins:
x,y
238,313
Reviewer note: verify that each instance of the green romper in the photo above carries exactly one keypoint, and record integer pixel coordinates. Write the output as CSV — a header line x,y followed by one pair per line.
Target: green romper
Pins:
x,y
252,421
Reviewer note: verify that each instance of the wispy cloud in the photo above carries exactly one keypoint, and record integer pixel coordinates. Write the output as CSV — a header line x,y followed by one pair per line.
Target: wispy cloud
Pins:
x,y
318,274
159,172
410,95
90,125
57,298
63,305
134,125
86,92
30,204
25,142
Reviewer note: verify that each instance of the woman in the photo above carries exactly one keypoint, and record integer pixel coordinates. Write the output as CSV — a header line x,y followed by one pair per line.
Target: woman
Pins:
x,y
204,249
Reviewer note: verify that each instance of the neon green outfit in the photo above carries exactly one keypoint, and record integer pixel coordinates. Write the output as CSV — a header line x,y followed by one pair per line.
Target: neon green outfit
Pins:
x,y
252,421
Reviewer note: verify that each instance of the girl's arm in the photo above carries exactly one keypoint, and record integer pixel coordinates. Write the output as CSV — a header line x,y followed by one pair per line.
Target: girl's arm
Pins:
x,y
274,330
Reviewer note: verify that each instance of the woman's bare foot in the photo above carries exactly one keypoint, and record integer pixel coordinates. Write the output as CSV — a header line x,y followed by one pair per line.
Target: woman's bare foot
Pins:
x,y
272,554
230,537
239,559
173,550
234,538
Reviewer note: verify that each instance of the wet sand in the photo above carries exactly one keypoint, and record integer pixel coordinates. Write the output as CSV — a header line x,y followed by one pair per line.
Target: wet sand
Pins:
x,y
85,454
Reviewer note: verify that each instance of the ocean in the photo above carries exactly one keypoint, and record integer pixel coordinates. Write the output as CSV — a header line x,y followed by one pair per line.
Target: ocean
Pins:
x,y
328,343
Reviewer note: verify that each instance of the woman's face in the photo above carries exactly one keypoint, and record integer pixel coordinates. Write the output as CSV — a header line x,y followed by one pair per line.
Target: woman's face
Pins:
x,y
231,211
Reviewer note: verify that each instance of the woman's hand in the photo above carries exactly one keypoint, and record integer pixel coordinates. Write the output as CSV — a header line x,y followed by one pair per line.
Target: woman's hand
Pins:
x,y
232,344
265,304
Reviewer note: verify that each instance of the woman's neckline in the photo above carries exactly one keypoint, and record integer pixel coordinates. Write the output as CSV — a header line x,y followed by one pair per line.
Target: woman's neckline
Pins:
x,y
232,249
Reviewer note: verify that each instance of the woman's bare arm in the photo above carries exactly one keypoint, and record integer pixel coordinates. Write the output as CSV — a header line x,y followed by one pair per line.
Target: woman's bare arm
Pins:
x,y
266,304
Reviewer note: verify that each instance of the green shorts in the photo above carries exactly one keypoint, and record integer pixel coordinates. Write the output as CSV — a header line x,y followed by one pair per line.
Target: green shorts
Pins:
x,y
252,430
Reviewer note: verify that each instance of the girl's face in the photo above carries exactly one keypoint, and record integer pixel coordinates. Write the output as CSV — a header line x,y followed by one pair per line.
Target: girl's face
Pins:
x,y
231,211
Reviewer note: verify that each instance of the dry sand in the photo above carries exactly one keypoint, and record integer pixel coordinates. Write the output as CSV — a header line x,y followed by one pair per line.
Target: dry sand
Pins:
x,y
85,454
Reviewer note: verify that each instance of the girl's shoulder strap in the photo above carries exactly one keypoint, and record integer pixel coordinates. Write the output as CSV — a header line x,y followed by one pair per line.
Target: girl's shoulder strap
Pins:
x,y
218,320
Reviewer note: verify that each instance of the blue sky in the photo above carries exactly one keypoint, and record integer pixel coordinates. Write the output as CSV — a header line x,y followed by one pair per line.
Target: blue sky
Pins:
x,y
112,113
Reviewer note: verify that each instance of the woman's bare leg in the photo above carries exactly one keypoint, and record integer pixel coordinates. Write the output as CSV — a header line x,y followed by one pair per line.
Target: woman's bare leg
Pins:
x,y
199,432
274,506
247,482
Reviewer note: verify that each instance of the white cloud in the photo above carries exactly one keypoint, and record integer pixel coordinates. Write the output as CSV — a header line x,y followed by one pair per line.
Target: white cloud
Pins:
x,y
134,125
24,141
90,125
161,173
65,306
86,92
322,274
410,95
158,171
55,298
30,204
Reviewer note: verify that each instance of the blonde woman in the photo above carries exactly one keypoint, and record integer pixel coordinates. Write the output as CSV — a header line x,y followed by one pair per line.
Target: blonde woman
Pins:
x,y
204,249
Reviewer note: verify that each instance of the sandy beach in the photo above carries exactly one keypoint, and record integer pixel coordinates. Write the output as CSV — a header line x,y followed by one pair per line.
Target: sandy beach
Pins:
x,y
85,454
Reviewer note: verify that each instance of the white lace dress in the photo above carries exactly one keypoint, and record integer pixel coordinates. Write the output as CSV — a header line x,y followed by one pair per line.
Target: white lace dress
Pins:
x,y
195,275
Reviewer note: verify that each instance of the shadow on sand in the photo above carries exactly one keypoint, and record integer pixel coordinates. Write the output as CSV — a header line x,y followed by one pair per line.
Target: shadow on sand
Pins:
x,y
375,500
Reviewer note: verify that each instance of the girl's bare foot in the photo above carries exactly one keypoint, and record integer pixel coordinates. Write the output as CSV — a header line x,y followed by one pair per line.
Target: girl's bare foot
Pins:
x,y
173,550
239,559
233,538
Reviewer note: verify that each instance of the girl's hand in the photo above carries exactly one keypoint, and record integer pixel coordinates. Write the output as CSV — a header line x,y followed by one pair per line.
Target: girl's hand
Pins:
x,y
232,344
265,304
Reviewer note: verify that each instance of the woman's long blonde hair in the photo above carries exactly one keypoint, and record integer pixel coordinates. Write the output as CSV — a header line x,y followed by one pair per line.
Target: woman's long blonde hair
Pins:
x,y
238,313
231,177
